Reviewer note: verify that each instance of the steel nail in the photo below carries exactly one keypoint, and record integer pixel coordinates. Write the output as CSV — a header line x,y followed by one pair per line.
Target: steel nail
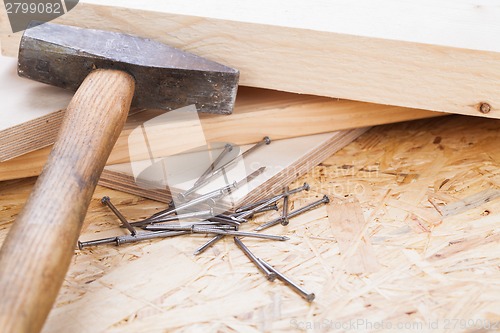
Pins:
x,y
196,201
254,210
107,201
266,140
284,214
306,295
227,148
109,240
246,179
263,210
147,236
198,229
304,187
271,276
191,215
208,244
233,220
299,211
187,227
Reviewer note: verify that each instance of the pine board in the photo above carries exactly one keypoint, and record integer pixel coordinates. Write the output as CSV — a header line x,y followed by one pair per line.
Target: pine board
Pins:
x,y
441,57
258,112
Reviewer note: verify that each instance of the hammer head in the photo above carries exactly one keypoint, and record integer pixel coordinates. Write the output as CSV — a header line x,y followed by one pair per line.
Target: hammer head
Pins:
x,y
166,77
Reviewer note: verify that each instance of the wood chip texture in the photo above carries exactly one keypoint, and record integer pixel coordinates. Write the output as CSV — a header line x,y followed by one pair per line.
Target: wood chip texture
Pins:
x,y
409,243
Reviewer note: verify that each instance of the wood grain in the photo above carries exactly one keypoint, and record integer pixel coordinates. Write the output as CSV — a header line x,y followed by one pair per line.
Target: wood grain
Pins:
x,y
442,58
37,251
258,112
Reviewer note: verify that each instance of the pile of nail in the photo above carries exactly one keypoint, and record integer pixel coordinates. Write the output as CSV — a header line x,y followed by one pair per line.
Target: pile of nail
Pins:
x,y
166,224
198,216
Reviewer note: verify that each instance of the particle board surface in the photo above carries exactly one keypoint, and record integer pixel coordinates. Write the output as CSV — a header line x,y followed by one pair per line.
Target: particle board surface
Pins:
x,y
433,271
441,57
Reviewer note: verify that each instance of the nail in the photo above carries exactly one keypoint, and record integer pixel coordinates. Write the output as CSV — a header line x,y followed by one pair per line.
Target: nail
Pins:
x,y
299,211
271,276
284,215
263,210
187,227
131,238
109,240
251,176
107,201
227,148
254,210
147,236
266,140
169,207
191,215
245,180
208,244
208,230
211,196
304,187
306,295
225,220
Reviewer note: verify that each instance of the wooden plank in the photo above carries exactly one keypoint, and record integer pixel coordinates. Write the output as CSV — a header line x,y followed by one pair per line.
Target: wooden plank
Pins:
x,y
258,112
27,165
279,115
438,57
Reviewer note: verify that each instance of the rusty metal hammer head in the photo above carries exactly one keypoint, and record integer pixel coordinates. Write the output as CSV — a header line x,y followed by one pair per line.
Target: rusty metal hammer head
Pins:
x,y
166,77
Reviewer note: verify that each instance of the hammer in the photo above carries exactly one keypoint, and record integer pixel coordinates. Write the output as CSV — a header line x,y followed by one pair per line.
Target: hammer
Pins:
x,y
109,71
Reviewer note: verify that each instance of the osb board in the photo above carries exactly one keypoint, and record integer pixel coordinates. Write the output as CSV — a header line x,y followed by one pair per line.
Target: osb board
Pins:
x,y
380,256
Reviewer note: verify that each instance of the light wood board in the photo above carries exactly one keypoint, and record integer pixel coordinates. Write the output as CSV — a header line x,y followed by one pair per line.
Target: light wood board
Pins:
x,y
441,57
432,269
258,112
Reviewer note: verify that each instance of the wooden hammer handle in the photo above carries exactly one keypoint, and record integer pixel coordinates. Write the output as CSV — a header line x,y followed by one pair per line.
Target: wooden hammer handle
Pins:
x,y
38,249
